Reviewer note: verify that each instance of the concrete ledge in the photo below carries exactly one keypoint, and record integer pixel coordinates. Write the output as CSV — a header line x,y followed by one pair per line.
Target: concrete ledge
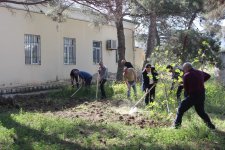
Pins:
x,y
32,88
12,95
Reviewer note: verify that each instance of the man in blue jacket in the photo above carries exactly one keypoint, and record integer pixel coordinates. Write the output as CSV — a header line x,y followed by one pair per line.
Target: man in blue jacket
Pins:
x,y
194,87
86,77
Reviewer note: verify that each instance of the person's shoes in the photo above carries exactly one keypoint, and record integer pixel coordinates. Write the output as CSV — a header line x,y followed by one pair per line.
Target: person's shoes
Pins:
x,y
103,97
211,126
176,126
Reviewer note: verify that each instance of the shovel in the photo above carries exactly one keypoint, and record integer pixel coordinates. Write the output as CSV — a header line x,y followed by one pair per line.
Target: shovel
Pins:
x,y
76,91
134,108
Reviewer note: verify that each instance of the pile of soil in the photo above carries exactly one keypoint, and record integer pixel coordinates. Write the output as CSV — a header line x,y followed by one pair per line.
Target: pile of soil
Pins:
x,y
104,111
109,111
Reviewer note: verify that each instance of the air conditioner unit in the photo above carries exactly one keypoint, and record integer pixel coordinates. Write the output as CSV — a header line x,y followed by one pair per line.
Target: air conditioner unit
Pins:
x,y
111,45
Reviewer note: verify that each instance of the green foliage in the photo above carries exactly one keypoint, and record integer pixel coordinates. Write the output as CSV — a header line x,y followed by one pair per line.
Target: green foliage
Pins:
x,y
215,97
201,48
6,137
36,130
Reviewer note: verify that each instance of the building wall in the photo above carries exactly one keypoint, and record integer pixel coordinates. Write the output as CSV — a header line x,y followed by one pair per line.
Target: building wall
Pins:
x,y
139,58
14,24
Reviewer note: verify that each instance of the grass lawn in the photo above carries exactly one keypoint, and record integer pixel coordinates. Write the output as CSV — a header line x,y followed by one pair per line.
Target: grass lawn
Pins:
x,y
58,122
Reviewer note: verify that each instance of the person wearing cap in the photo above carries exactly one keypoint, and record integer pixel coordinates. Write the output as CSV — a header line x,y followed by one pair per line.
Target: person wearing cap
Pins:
x,y
84,76
103,74
194,86
149,79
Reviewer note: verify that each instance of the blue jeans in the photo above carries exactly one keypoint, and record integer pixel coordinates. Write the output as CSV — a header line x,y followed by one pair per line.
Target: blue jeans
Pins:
x,y
197,100
133,85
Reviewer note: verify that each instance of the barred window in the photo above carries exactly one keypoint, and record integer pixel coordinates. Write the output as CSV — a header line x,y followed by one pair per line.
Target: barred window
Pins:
x,y
97,51
69,51
32,46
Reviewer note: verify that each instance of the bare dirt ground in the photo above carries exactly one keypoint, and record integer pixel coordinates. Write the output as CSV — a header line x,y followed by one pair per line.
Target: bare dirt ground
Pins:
x,y
109,111
95,111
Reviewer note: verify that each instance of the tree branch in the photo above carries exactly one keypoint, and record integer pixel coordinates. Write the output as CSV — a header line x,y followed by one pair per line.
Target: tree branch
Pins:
x,y
86,5
24,3
140,5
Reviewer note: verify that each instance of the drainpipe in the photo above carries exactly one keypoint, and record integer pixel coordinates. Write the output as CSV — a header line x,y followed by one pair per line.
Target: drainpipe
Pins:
x,y
58,76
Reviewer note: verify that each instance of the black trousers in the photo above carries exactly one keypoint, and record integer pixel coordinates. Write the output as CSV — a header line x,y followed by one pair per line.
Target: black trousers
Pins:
x,y
151,95
197,100
88,81
102,82
178,93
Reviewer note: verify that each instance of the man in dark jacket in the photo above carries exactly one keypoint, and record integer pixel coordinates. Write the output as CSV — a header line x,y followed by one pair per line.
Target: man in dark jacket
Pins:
x,y
194,86
84,76
149,79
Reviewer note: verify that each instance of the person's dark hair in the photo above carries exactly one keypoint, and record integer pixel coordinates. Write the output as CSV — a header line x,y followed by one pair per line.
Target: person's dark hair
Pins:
x,y
169,67
148,66
72,73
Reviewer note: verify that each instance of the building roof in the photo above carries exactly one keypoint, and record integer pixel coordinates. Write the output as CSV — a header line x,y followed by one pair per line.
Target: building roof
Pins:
x,y
72,13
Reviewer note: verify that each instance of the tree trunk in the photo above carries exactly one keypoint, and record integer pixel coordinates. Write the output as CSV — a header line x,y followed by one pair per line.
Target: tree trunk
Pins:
x,y
185,42
121,48
151,38
157,38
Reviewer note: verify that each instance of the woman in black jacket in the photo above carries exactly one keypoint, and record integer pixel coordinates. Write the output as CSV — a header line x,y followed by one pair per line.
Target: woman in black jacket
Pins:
x,y
149,79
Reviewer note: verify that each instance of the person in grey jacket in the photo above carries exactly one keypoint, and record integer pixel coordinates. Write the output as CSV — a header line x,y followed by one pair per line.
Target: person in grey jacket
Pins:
x,y
103,74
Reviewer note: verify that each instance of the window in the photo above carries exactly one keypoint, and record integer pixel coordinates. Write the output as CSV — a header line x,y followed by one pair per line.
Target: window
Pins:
x,y
32,46
69,51
97,52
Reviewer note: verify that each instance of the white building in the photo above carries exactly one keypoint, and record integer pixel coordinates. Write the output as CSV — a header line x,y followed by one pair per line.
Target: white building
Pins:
x,y
34,49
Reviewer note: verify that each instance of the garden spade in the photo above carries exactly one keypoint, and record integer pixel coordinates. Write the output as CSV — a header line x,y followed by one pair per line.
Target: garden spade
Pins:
x,y
76,91
134,108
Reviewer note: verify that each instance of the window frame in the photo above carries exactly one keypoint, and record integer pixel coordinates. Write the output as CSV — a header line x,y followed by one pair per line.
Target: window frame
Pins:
x,y
68,52
97,48
31,41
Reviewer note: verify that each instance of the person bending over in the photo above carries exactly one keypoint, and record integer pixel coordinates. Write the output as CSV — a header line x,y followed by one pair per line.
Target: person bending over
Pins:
x,y
75,75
